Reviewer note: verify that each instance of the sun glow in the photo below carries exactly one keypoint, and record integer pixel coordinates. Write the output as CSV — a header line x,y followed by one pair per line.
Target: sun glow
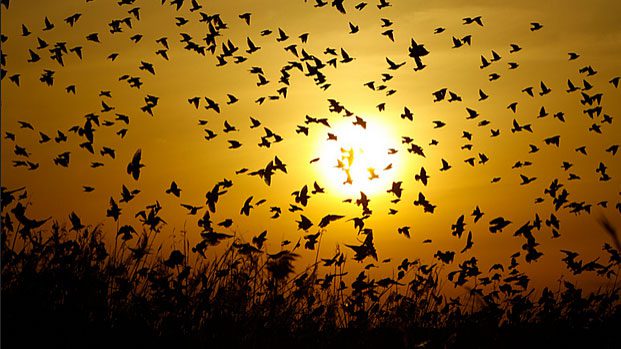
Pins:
x,y
355,159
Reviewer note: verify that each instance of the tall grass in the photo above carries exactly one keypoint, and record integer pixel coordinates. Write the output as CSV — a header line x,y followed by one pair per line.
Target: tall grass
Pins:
x,y
65,287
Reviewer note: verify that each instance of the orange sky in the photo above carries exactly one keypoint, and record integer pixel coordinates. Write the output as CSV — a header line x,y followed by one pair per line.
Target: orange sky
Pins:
x,y
174,148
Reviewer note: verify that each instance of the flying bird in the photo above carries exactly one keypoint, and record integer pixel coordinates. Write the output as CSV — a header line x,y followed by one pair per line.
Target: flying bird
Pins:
x,y
134,166
469,20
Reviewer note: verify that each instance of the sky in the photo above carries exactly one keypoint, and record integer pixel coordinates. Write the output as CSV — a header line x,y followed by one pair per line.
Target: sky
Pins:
x,y
174,148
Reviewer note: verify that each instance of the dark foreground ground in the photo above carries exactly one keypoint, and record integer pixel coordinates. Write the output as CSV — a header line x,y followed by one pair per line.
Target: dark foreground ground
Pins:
x,y
64,287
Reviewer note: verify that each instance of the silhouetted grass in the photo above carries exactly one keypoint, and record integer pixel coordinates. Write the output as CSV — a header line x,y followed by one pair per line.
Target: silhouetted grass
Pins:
x,y
66,287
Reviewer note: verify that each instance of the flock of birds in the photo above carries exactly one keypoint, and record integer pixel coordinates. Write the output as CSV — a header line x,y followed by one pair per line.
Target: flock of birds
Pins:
x,y
316,66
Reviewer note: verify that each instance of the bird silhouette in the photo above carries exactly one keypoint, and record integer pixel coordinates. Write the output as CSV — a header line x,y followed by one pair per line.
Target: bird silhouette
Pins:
x,y
174,189
245,210
134,166
469,20
445,166
353,29
422,176
498,224
535,26
392,65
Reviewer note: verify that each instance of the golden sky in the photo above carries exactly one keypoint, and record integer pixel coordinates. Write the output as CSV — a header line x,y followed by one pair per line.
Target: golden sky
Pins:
x,y
174,148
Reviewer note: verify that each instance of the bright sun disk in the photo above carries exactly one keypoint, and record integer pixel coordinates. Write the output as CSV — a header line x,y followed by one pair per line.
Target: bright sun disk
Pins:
x,y
359,159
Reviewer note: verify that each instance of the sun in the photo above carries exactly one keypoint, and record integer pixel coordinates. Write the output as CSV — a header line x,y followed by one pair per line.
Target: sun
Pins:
x,y
356,159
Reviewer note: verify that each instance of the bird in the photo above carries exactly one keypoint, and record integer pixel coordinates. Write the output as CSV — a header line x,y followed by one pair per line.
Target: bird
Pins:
x,y
469,243
25,125
127,195
439,95
389,34
192,210
245,210
457,43
613,149
554,140
246,17
526,180
484,62
472,114
346,57
512,106
228,127
134,166
439,124
317,189
469,20
422,176
514,48
571,87
416,52
360,122
15,79
9,135
34,57
392,65
211,104
163,41
163,53
62,159
174,189
304,223
528,90
535,26
383,3
25,30
43,138
445,166
48,24
282,36
544,89
94,37
233,144
405,231
353,29
498,224
422,201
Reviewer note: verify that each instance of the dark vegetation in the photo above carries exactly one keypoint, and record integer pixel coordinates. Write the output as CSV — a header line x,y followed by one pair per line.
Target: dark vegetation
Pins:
x,y
79,286
65,287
